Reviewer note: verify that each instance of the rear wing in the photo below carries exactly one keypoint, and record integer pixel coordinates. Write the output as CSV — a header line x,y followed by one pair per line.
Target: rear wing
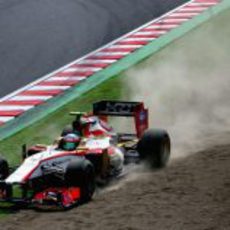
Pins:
x,y
125,109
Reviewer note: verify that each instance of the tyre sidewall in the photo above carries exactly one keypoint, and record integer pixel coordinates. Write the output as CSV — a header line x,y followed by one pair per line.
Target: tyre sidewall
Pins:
x,y
4,169
80,173
154,148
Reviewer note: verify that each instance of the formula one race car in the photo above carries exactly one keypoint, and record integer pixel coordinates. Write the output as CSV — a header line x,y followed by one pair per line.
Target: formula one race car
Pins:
x,y
87,153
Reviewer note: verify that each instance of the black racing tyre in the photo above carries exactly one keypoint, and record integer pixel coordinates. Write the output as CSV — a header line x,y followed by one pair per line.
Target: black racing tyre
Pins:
x,y
154,147
68,129
4,169
81,173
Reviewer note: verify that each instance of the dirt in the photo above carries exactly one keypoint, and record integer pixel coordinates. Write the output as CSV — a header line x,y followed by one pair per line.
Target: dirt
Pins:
x,y
191,193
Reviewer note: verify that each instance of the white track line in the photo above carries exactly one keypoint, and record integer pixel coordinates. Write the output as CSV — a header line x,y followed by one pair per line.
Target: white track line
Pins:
x,y
85,69
163,26
44,87
64,79
111,53
208,4
160,32
93,61
30,98
179,20
192,9
185,14
126,46
5,119
15,107
138,39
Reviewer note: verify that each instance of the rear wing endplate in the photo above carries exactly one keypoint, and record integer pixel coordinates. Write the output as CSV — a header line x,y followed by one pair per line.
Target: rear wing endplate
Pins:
x,y
126,109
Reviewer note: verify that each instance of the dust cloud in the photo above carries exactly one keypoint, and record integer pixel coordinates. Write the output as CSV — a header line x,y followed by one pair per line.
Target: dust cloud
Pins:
x,y
186,88
133,172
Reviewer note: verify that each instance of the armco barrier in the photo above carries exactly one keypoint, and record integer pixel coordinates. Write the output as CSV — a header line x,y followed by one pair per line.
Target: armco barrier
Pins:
x,y
38,99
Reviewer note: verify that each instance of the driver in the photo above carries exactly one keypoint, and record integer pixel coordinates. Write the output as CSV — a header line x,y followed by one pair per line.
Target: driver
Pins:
x,y
69,142
92,127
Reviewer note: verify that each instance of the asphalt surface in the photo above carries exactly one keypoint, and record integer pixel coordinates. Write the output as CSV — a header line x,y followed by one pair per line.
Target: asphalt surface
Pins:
x,y
38,36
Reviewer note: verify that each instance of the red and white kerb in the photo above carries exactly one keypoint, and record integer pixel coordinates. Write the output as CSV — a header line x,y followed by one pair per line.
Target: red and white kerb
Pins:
x,y
58,82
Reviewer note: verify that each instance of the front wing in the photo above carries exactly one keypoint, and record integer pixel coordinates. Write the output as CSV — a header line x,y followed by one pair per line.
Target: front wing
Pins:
x,y
54,197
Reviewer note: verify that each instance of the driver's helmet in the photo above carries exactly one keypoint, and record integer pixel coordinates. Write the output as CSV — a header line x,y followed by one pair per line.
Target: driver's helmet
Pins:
x,y
70,141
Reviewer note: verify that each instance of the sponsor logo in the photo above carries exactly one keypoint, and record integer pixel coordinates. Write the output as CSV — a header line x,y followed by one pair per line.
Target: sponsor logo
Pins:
x,y
118,107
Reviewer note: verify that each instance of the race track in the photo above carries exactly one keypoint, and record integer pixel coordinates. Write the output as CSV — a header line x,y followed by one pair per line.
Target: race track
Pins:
x,y
39,36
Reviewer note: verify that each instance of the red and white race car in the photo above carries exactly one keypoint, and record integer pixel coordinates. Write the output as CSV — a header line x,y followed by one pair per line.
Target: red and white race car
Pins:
x,y
88,153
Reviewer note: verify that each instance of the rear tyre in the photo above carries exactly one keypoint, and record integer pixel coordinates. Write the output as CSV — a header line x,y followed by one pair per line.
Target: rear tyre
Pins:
x,y
80,173
154,148
4,169
4,173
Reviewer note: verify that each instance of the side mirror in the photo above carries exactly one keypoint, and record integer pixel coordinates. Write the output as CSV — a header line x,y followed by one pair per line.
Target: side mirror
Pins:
x,y
24,151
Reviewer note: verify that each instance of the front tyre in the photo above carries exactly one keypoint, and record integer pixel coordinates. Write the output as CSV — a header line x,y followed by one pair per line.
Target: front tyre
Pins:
x,y
81,173
4,169
154,147
4,173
